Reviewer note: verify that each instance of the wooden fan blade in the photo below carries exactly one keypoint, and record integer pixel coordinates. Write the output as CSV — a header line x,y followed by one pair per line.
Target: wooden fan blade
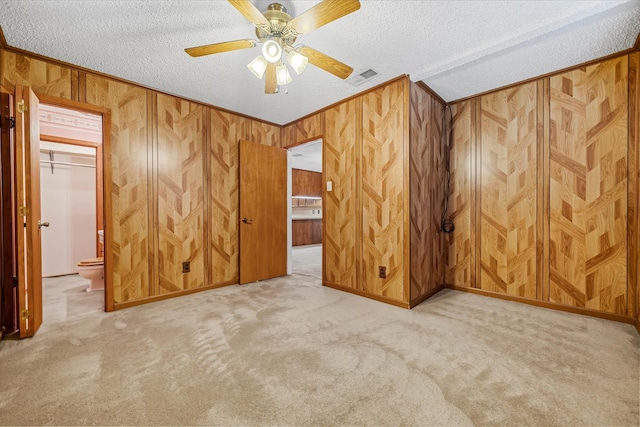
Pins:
x,y
326,62
322,14
249,11
220,47
270,81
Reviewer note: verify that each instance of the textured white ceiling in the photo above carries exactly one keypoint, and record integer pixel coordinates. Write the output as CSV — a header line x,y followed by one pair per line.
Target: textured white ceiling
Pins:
x,y
458,48
307,156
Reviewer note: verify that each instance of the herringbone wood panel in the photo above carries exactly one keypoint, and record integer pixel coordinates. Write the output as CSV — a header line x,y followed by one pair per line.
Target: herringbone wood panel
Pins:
x,y
226,131
311,127
383,189
633,296
508,183
340,205
180,194
264,133
43,77
588,188
426,181
129,216
460,203
288,135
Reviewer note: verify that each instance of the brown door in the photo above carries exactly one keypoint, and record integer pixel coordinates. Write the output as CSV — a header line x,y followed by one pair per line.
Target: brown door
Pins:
x,y
263,212
27,141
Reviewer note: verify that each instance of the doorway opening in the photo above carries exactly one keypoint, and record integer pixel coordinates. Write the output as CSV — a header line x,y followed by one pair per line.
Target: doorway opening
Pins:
x,y
306,208
71,194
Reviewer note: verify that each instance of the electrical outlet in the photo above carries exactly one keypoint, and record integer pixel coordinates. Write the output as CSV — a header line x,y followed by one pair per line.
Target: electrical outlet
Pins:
x,y
382,272
186,267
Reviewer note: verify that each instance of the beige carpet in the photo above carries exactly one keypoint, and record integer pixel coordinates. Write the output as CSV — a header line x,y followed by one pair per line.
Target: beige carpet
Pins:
x,y
290,352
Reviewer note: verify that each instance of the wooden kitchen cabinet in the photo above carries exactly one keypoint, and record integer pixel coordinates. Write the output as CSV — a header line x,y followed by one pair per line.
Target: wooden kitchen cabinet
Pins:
x,y
306,183
306,231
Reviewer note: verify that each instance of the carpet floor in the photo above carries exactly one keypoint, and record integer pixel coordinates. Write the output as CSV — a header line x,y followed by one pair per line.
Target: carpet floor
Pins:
x,y
288,351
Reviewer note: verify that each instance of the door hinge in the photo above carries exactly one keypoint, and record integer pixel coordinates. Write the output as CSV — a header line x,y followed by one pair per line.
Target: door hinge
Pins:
x,y
23,211
22,107
25,314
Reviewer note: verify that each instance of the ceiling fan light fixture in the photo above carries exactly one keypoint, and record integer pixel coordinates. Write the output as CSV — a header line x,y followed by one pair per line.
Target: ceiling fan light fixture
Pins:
x,y
258,66
297,61
283,76
271,51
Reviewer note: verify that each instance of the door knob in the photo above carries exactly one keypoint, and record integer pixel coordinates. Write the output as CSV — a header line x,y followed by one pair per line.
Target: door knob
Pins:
x,y
43,224
247,221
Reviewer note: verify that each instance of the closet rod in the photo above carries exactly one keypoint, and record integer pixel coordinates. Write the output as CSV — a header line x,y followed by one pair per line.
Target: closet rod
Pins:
x,y
68,164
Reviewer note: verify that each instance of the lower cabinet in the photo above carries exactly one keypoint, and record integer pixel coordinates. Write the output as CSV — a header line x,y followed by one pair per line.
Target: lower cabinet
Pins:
x,y
306,231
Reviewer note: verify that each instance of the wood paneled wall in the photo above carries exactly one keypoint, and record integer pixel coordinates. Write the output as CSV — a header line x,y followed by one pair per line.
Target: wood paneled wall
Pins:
x,y
180,194
304,130
461,244
174,178
342,226
384,116
384,153
507,191
542,177
130,186
588,194
426,194
226,130
633,207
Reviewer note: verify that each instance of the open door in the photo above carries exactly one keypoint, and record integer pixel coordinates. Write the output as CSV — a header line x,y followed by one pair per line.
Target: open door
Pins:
x,y
27,133
263,212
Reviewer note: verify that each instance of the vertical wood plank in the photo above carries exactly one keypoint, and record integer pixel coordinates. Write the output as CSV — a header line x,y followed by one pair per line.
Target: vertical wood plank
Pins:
x,y
588,186
226,132
129,195
426,182
152,188
74,85
476,196
545,181
340,205
508,188
461,207
180,194
633,203
383,190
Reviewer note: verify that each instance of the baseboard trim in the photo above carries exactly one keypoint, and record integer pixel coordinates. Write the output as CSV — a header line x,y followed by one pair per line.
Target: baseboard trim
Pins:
x,y
553,306
147,300
397,303
426,296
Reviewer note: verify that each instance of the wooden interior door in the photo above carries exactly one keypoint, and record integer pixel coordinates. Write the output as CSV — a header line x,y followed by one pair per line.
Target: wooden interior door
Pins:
x,y
263,212
27,141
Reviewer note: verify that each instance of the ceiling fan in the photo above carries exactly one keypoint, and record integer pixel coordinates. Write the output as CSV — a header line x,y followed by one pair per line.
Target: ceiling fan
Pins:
x,y
277,31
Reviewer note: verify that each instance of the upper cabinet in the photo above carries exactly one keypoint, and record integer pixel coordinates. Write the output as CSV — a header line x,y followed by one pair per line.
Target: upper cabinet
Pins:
x,y
306,183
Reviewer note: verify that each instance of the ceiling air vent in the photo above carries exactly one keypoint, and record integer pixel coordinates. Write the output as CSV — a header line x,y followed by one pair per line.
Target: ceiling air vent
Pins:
x,y
358,78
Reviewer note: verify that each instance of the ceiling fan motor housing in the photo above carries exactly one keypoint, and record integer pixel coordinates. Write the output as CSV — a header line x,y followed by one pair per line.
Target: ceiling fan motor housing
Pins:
x,y
278,17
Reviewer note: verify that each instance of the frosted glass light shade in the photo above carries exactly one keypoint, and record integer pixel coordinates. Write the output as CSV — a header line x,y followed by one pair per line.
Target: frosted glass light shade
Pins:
x,y
271,51
297,61
258,66
282,74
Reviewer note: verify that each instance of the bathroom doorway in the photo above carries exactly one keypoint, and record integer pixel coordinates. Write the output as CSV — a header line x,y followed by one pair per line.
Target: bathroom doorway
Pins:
x,y
306,208
71,183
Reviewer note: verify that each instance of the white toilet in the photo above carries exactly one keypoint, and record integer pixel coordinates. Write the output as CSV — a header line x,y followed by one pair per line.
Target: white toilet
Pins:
x,y
93,269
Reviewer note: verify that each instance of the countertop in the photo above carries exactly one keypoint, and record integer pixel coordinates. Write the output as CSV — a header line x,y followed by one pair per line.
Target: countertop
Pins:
x,y
300,217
